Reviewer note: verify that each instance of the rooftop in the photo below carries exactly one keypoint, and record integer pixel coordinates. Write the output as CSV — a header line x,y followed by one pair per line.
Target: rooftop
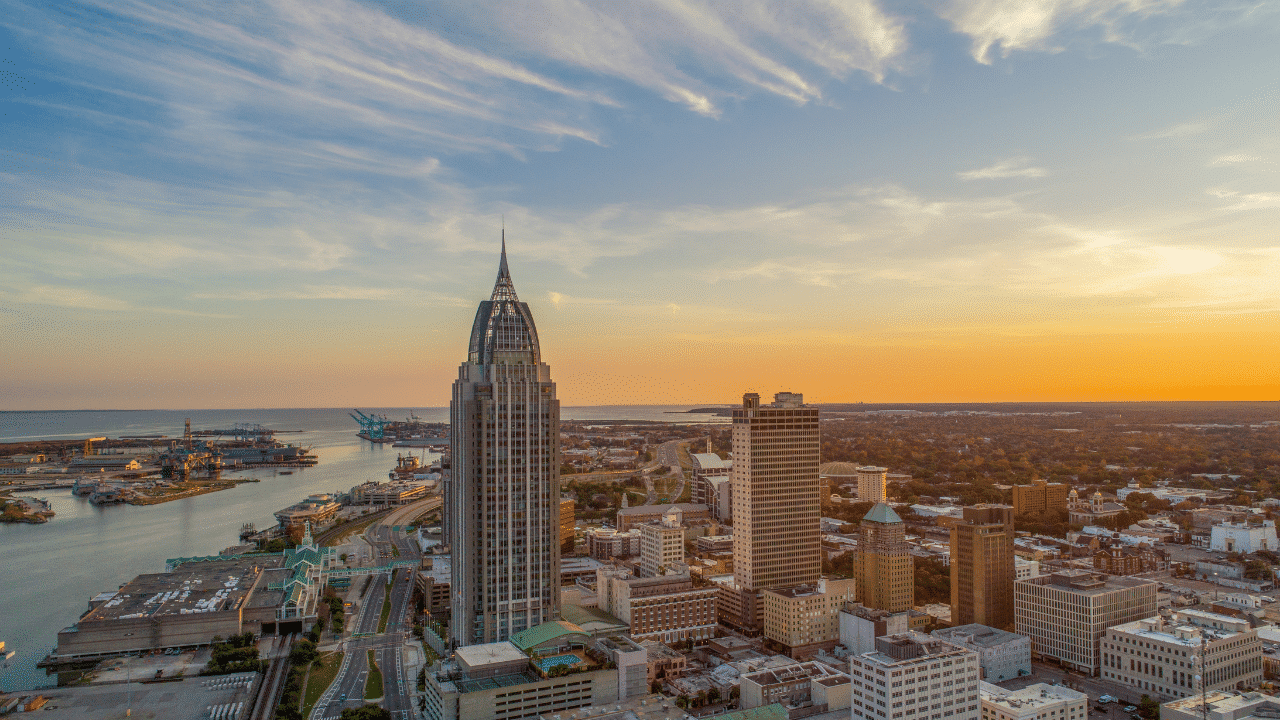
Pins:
x,y
213,586
660,509
1032,696
1084,582
543,633
979,635
490,653
882,513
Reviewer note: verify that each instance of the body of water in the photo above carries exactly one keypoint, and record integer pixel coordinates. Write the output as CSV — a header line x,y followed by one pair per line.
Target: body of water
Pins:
x,y
48,572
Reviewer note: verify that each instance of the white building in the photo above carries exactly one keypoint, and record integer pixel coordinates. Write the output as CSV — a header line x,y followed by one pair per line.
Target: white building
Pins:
x,y
1034,702
915,677
861,625
1066,614
1023,568
1243,537
1004,655
1162,656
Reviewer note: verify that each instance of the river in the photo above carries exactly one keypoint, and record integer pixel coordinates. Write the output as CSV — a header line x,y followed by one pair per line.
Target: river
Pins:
x,y
48,572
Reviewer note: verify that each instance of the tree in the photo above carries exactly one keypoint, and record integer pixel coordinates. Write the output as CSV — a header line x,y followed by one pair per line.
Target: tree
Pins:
x,y
713,696
1148,708
368,712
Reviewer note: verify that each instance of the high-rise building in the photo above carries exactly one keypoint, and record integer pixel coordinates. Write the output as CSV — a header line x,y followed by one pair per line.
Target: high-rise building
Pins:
x,y
882,565
1039,497
777,540
982,572
1066,613
872,484
915,677
504,497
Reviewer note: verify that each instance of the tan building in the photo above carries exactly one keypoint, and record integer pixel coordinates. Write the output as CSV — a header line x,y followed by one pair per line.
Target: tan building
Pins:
x,y
1066,613
903,679
605,544
1035,702
1163,656
807,618
661,545
872,484
387,493
883,568
316,509
813,686
630,517
567,534
777,539
982,572
666,609
1039,497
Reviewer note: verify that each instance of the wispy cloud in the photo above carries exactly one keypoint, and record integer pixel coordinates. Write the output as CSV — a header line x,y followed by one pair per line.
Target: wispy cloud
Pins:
x,y
1185,129
1018,167
1224,160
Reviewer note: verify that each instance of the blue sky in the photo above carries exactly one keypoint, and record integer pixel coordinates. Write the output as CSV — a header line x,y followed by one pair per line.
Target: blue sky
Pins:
x,y
298,203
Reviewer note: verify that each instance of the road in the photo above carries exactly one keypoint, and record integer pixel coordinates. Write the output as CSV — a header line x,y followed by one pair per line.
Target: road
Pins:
x,y
669,455
388,645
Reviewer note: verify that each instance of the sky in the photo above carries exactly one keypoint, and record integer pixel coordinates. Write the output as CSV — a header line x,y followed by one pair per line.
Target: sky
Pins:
x,y
299,203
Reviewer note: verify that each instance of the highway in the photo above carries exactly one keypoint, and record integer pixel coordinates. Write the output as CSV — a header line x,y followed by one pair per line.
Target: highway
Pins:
x,y
387,646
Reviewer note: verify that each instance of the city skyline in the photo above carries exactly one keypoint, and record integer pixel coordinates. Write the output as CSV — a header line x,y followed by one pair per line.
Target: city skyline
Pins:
x,y
293,204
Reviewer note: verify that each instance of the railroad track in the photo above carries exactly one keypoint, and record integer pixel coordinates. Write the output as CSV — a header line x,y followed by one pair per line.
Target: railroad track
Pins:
x,y
272,687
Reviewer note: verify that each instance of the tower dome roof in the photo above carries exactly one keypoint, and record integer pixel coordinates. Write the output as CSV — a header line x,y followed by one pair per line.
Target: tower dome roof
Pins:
x,y
503,332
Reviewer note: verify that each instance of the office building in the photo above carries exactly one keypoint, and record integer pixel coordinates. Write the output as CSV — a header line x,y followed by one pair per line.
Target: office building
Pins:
x,y
666,609
1004,655
1023,568
861,625
806,618
1040,497
1034,702
568,526
776,535
1162,656
982,572
661,546
882,564
915,677
872,486
504,494
1066,613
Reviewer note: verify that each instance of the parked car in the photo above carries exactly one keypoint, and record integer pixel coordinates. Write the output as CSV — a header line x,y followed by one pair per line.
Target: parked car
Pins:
x,y
1130,708
1107,699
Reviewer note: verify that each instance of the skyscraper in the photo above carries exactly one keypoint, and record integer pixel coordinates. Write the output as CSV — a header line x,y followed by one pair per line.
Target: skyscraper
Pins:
x,y
504,497
882,565
776,511
982,571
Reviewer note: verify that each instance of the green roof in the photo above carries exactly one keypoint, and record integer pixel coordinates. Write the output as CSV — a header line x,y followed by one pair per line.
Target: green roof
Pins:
x,y
882,513
765,712
546,632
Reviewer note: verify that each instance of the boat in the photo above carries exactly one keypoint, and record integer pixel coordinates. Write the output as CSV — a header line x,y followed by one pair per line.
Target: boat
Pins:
x,y
286,472
10,654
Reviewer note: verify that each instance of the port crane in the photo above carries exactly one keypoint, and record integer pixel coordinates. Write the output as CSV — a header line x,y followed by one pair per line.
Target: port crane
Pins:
x,y
370,425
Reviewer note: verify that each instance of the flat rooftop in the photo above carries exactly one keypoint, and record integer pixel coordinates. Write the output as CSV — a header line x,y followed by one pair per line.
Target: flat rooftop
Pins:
x,y
1084,582
184,700
979,635
490,653
1031,696
192,588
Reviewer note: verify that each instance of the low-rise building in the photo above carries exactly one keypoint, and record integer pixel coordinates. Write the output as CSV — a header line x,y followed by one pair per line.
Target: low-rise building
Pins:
x,y
1162,656
387,493
806,618
1066,613
663,661
1231,574
316,509
606,544
861,625
915,677
630,517
1246,537
1024,568
812,686
661,545
1004,655
667,608
507,681
1034,702
1222,706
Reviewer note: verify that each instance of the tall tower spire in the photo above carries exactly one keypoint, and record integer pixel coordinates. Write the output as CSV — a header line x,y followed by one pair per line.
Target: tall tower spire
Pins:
x,y
503,491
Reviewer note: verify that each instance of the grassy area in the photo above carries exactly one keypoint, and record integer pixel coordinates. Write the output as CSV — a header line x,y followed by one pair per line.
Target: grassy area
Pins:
x,y
320,680
386,610
373,686
395,551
